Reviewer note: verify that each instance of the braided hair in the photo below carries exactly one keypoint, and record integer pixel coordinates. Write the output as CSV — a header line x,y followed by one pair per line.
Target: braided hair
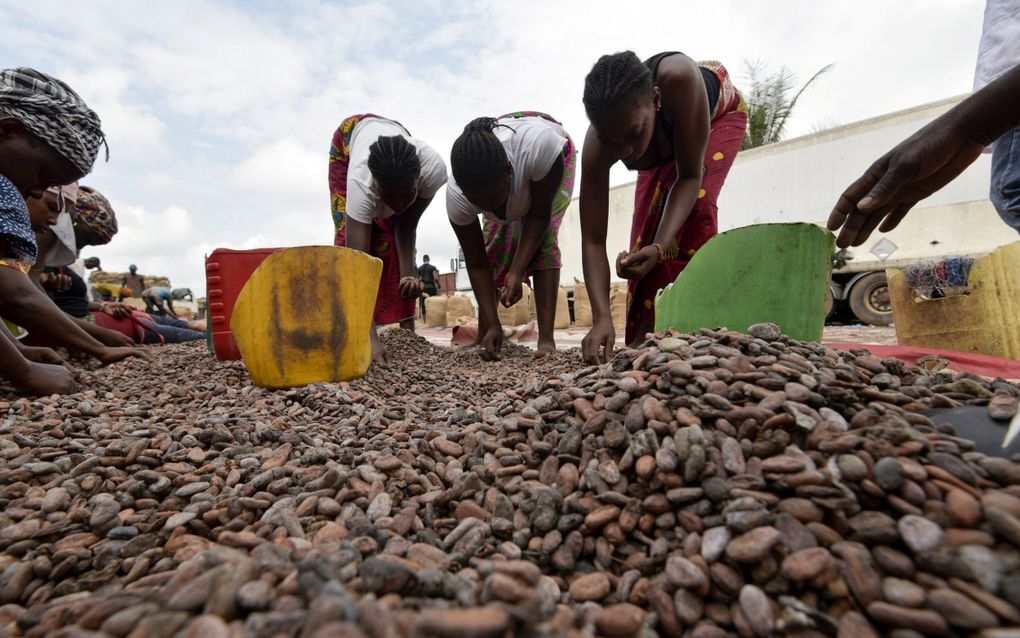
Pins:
x,y
614,78
477,157
393,159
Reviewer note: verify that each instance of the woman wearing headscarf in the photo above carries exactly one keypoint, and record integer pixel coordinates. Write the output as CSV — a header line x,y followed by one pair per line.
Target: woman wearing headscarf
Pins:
x,y
48,137
381,180
87,219
92,222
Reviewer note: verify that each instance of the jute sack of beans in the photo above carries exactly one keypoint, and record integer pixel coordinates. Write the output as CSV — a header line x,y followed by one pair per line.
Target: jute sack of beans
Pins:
x,y
618,305
435,311
562,320
456,307
517,314
582,305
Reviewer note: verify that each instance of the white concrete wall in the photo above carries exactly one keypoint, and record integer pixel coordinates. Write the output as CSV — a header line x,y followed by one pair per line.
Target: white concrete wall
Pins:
x,y
799,180
621,207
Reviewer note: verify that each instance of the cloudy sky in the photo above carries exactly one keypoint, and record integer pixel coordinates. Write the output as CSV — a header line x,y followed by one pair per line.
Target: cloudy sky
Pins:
x,y
219,114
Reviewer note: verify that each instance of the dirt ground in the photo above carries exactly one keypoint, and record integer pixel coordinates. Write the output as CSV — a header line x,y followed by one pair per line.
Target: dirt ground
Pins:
x,y
571,338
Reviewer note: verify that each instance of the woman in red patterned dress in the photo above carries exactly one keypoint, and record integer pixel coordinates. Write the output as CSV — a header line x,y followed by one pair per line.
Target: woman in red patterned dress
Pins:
x,y
679,123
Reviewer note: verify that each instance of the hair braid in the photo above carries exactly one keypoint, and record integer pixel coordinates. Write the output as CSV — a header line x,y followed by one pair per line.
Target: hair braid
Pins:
x,y
393,159
477,158
613,78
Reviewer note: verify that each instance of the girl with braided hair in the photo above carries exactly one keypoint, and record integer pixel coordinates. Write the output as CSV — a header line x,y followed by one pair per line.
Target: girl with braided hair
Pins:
x,y
381,180
516,171
679,123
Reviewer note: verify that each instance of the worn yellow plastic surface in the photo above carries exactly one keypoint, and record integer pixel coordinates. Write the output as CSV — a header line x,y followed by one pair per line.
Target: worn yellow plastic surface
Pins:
x,y
304,316
986,321
111,289
16,330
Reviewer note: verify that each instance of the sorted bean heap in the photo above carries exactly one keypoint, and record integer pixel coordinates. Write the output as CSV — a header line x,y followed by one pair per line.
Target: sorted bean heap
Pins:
x,y
702,485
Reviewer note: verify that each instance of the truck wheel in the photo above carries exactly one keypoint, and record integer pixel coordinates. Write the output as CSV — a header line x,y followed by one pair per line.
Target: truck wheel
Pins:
x,y
830,302
870,300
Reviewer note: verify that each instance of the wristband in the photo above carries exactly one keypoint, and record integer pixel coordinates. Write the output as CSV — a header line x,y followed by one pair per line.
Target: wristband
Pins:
x,y
659,251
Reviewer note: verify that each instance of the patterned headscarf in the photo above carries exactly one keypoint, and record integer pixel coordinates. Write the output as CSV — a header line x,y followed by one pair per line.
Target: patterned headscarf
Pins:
x,y
52,111
95,211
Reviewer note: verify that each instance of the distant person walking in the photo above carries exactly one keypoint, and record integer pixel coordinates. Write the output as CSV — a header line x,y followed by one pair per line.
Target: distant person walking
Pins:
x,y
429,277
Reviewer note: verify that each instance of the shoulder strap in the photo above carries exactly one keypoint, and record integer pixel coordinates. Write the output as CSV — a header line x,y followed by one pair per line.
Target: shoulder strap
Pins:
x,y
653,62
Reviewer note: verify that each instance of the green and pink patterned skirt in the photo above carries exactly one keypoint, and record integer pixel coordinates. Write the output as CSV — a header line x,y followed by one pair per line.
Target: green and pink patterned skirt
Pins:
x,y
502,240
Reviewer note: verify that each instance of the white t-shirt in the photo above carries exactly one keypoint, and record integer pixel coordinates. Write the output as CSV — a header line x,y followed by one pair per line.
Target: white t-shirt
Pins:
x,y
532,145
999,50
363,201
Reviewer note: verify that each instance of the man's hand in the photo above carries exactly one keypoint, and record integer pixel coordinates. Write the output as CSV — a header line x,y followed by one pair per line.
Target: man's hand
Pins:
x,y
601,336
54,282
491,343
113,355
410,287
117,310
113,339
913,170
44,379
637,264
42,355
513,290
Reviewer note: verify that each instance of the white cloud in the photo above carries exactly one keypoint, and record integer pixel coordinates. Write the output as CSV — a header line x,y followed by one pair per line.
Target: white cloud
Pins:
x,y
155,241
284,167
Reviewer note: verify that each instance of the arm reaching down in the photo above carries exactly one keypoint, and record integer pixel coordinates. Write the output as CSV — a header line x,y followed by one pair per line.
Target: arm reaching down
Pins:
x,y
406,234
926,161
490,332
38,371
536,223
25,304
595,165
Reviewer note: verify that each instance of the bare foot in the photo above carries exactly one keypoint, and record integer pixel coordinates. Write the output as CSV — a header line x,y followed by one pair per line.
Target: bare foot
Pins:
x,y
545,348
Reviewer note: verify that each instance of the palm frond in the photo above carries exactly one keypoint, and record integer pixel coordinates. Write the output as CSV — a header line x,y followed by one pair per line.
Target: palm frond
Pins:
x,y
769,101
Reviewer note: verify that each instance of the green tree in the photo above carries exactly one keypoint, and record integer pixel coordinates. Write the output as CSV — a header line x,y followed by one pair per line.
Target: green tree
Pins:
x,y
770,102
